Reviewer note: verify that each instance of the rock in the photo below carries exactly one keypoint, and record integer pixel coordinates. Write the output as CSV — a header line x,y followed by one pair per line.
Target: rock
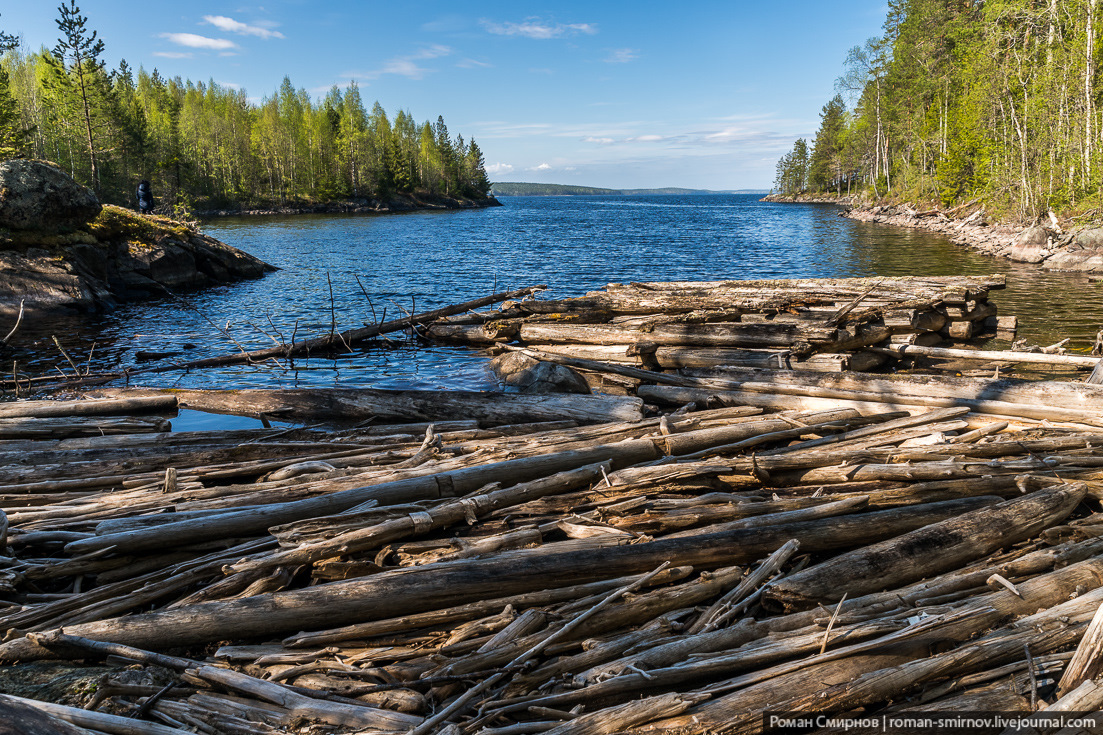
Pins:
x,y
1029,246
1085,253
35,195
529,375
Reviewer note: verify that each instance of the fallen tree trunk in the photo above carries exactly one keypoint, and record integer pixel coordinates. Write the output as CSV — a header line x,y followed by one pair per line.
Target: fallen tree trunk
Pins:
x,y
927,551
418,589
440,485
801,398
61,409
358,404
1080,361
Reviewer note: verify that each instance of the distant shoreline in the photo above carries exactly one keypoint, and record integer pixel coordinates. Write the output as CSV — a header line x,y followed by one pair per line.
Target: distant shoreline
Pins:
x,y
400,203
521,189
1048,245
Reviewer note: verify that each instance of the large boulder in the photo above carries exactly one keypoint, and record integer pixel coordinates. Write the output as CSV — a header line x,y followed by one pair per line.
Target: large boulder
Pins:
x,y
529,375
35,195
1030,245
1084,253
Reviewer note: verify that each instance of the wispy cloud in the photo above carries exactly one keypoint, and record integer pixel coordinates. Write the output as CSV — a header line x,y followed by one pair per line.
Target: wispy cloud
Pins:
x,y
404,66
192,40
174,54
538,29
599,141
542,167
235,26
473,64
621,56
499,168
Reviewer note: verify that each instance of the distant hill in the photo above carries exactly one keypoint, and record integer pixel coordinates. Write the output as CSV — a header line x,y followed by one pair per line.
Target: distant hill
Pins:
x,y
522,189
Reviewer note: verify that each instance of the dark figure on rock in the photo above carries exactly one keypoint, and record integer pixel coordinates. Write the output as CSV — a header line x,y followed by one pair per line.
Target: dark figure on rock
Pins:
x,y
145,197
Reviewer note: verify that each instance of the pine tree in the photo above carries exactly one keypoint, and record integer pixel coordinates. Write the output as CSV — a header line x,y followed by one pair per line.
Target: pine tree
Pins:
x,y
476,170
80,72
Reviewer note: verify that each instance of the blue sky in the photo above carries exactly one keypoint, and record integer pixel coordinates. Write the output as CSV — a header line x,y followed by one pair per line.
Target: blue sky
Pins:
x,y
614,94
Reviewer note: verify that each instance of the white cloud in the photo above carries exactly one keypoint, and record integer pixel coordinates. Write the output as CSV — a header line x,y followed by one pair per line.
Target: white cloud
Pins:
x,y
599,141
499,168
192,40
647,138
621,56
174,54
473,64
229,85
543,167
538,29
234,26
405,66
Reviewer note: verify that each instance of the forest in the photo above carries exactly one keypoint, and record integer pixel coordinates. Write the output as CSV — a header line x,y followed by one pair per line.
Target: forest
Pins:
x,y
966,101
205,145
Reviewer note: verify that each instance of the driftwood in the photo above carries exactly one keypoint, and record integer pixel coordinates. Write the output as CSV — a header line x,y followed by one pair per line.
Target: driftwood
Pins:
x,y
358,404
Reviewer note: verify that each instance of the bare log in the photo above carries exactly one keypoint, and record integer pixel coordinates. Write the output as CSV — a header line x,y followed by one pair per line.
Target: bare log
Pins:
x,y
927,551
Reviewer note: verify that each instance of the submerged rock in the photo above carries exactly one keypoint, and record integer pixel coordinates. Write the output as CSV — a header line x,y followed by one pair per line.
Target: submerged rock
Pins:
x,y
529,375
59,248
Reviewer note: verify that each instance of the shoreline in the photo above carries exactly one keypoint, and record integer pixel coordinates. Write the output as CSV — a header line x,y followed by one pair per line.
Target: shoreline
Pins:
x,y
399,204
1049,246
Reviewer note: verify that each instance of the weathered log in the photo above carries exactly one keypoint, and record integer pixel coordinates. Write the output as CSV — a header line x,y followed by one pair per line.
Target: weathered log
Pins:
x,y
698,335
473,610
357,404
442,485
927,551
798,399
1062,394
79,720
1087,662
61,409
420,589
440,517
1038,358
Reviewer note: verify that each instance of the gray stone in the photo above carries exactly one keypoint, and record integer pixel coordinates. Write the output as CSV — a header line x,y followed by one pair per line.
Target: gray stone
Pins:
x,y
35,195
1090,239
1030,245
1084,254
529,375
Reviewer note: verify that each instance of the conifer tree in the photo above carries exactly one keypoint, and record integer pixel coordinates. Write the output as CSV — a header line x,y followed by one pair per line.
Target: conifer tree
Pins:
x,y
80,74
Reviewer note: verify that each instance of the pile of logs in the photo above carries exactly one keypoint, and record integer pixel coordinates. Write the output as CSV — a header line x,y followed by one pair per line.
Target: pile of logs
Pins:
x,y
809,324
678,572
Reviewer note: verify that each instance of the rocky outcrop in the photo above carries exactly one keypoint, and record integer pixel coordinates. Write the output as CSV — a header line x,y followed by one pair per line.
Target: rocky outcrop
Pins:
x,y
35,195
60,249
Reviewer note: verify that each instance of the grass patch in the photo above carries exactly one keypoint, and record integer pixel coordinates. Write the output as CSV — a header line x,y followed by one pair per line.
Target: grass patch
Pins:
x,y
113,224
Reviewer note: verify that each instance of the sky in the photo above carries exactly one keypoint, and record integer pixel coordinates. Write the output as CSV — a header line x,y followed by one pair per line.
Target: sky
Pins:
x,y
704,94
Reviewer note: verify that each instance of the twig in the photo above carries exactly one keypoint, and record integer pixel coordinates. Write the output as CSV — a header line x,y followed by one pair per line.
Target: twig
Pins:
x,y
831,623
18,321
76,370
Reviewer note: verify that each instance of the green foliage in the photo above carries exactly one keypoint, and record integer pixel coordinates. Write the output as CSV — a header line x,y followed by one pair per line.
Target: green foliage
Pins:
x,y
203,145
960,100
792,170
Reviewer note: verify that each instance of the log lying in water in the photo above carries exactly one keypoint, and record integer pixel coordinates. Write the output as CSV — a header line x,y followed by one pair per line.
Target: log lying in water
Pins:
x,y
358,404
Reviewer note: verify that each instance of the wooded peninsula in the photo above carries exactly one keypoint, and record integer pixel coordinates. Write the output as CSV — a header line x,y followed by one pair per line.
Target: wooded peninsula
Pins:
x,y
994,101
204,145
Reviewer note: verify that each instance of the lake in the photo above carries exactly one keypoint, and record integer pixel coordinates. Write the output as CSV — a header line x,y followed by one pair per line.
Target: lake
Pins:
x,y
398,263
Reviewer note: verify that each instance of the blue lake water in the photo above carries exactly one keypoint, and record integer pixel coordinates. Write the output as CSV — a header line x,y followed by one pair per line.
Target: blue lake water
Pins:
x,y
397,263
